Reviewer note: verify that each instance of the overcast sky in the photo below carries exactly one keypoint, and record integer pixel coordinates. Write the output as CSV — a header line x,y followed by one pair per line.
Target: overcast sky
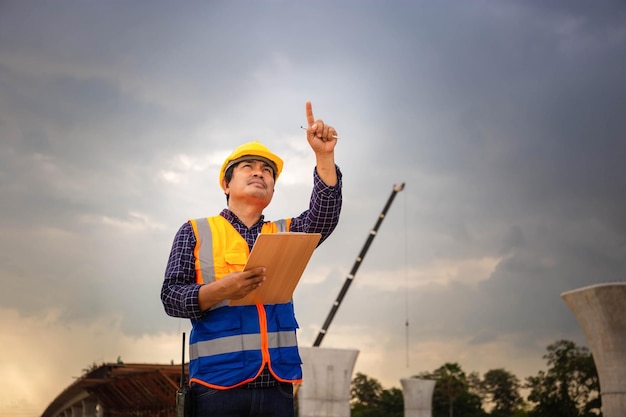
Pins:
x,y
505,119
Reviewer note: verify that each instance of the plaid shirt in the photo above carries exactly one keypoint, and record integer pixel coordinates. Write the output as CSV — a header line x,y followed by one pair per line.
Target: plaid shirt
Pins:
x,y
179,292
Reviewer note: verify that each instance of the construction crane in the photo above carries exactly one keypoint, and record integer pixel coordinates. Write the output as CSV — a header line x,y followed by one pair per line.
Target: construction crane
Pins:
x,y
355,268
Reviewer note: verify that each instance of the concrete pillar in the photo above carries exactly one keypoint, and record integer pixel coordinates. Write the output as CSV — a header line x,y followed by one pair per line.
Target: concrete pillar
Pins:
x,y
418,396
326,380
601,312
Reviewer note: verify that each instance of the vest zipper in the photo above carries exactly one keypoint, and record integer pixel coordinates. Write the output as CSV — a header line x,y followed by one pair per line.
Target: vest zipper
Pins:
x,y
263,330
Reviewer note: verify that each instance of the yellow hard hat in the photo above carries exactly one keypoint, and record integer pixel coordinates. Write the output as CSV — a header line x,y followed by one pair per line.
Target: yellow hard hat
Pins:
x,y
252,150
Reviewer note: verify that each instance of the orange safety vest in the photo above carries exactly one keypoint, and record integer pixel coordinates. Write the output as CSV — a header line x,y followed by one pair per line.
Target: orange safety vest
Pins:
x,y
231,345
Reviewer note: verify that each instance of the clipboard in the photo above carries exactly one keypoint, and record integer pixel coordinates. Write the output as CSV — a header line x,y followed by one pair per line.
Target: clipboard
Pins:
x,y
285,256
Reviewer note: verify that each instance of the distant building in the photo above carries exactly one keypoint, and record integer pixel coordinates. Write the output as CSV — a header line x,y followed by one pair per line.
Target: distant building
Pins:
x,y
120,390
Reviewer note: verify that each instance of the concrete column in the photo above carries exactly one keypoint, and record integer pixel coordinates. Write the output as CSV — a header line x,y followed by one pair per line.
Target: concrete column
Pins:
x,y
418,396
326,380
601,312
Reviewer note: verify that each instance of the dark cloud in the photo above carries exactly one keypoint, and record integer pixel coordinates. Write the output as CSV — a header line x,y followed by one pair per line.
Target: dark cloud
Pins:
x,y
504,120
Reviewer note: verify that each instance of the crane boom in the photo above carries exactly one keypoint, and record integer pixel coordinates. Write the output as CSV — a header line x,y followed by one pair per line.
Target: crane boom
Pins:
x,y
355,268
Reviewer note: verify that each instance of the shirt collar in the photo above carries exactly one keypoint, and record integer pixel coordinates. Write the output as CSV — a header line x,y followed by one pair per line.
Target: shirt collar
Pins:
x,y
233,219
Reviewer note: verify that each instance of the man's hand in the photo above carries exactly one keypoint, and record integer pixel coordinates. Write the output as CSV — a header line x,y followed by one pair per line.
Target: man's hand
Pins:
x,y
321,137
231,287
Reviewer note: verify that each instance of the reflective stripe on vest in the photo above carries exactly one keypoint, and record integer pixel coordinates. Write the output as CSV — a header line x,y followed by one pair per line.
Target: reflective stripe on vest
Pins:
x,y
203,251
232,344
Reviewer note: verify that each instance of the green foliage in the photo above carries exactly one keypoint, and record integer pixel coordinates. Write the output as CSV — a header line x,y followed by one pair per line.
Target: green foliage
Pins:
x,y
392,402
452,396
451,380
520,413
365,391
369,399
501,388
570,387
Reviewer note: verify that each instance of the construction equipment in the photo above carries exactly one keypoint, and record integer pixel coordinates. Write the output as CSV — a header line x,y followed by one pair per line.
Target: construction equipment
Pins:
x,y
357,264
350,277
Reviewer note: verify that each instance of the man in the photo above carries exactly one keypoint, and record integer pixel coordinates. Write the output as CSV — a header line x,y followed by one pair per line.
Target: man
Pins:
x,y
244,359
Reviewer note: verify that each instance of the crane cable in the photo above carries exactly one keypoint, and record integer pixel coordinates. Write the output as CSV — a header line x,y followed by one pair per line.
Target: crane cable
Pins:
x,y
406,281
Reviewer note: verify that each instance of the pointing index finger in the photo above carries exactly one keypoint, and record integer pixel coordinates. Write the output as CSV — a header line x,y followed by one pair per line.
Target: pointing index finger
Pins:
x,y
309,114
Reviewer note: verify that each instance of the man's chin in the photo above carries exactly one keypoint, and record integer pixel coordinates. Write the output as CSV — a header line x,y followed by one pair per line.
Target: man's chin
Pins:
x,y
260,193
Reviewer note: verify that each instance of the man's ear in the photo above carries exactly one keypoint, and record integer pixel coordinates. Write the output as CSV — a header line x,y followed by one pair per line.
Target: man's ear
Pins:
x,y
224,185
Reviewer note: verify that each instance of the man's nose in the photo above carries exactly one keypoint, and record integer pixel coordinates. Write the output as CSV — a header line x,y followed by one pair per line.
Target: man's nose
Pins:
x,y
257,170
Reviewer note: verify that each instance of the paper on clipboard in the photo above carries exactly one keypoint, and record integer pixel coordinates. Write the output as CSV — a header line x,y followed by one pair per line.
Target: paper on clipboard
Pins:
x,y
285,256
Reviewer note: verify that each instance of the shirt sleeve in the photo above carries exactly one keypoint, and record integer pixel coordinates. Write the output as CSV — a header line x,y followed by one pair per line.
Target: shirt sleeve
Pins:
x,y
322,215
179,293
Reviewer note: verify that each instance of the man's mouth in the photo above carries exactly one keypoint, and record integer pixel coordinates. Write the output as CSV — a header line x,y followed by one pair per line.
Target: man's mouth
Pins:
x,y
257,182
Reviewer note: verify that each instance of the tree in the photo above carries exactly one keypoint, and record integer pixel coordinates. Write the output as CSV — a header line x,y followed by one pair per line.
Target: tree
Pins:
x,y
369,399
452,382
365,391
501,388
570,387
452,395
391,403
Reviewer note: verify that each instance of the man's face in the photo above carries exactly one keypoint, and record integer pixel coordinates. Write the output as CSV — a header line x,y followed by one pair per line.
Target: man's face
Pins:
x,y
252,181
